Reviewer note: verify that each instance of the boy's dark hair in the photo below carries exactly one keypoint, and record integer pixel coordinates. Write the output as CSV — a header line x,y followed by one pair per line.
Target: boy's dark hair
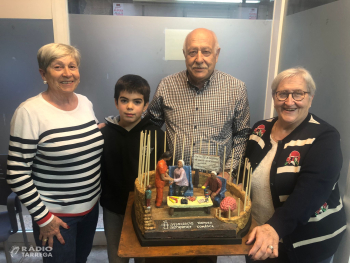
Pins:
x,y
132,84
166,154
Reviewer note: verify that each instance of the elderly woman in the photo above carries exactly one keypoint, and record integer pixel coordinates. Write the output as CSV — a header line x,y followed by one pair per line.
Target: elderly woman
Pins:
x,y
296,159
54,158
180,179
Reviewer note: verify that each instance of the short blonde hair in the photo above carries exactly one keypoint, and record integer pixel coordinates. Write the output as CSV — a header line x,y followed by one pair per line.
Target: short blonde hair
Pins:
x,y
292,72
50,52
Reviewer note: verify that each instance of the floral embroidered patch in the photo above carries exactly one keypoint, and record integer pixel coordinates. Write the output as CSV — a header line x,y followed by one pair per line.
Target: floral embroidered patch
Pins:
x,y
293,159
323,208
260,130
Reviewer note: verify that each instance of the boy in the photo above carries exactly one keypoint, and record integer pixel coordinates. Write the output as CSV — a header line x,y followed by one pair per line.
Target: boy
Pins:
x,y
120,156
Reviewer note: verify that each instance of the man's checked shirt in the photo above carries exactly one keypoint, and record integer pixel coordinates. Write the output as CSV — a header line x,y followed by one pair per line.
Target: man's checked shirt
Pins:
x,y
218,113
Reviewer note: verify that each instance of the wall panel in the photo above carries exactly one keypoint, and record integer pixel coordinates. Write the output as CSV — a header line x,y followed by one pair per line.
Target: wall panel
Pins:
x,y
114,46
26,9
19,74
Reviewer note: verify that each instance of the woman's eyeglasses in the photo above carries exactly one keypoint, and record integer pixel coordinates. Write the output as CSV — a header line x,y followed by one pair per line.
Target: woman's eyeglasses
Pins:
x,y
296,95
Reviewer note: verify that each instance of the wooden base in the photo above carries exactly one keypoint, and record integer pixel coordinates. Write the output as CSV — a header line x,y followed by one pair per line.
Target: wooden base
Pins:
x,y
191,240
130,247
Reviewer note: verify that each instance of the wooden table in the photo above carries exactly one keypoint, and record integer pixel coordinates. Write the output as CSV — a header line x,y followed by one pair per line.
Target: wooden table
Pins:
x,y
130,247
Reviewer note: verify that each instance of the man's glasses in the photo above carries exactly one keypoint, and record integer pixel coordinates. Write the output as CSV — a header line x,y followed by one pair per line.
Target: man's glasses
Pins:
x,y
296,95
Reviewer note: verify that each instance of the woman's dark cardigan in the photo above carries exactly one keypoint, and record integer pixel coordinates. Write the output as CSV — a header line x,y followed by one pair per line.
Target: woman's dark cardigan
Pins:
x,y
309,214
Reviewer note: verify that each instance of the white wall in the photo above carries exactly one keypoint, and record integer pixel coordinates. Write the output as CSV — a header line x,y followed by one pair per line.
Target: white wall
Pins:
x,y
26,9
190,9
319,40
57,10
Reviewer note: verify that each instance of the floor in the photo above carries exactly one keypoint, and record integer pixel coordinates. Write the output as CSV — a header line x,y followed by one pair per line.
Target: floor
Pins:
x,y
97,255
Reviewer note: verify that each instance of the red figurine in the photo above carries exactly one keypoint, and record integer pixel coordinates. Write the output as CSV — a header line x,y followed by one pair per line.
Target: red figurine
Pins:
x,y
214,184
161,177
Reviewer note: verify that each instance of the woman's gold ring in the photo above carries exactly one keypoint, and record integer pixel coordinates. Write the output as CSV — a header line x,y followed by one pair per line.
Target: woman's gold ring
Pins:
x,y
45,239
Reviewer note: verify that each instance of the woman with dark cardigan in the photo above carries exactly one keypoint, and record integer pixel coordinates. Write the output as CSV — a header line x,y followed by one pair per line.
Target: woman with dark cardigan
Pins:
x,y
296,161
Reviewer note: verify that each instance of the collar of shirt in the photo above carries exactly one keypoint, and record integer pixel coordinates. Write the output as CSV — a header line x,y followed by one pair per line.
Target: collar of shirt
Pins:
x,y
206,84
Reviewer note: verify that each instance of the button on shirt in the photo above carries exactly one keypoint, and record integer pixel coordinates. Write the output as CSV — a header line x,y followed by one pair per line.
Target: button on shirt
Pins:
x,y
219,113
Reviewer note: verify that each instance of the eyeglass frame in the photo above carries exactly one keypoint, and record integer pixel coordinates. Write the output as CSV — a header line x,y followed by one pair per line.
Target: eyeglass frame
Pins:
x,y
292,95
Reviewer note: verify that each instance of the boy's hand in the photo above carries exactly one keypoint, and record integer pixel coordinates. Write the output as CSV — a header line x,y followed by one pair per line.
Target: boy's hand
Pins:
x,y
101,125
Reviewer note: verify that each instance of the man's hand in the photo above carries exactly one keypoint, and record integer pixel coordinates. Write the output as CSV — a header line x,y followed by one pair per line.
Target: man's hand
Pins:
x,y
52,229
166,177
265,236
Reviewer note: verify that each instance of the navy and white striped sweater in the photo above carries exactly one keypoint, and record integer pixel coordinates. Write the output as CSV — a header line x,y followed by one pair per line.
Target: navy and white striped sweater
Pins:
x,y
54,158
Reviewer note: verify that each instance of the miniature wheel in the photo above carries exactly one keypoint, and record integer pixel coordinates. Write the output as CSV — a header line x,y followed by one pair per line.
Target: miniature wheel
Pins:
x,y
207,210
171,211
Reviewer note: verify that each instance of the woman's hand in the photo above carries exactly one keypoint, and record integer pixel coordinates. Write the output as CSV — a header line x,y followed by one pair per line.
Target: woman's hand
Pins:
x,y
265,236
52,229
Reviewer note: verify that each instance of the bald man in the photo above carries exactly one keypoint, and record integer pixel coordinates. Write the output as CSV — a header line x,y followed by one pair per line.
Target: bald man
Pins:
x,y
202,102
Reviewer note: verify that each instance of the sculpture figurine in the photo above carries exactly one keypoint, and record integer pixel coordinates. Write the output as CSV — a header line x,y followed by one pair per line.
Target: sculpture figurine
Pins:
x,y
148,195
206,193
161,177
214,184
180,179
228,203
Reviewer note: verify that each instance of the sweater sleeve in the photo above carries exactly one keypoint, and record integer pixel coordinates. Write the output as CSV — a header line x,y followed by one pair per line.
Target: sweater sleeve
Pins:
x,y
318,176
240,128
219,186
155,108
24,139
182,174
92,111
206,182
162,167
